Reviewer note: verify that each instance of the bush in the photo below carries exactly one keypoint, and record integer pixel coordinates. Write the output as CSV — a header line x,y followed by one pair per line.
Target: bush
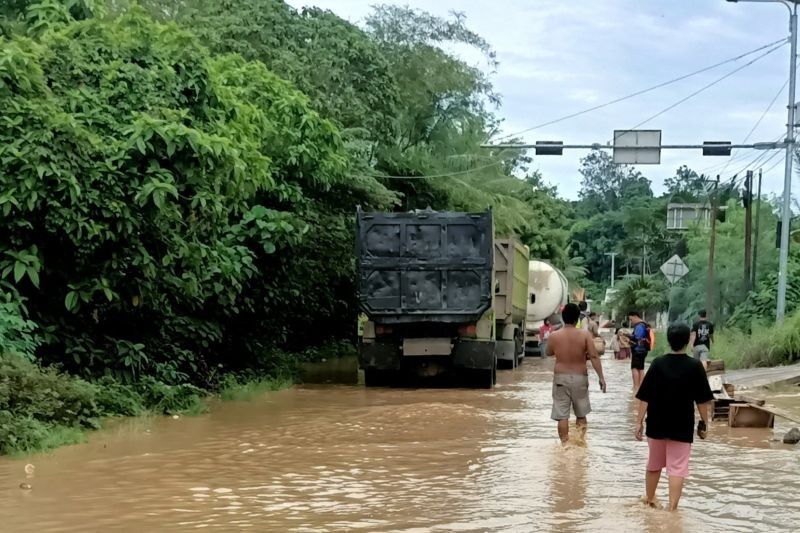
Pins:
x,y
17,334
236,390
44,394
41,408
765,346
24,435
170,399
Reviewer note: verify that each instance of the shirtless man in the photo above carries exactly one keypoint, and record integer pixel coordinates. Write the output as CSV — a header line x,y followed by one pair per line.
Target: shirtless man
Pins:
x,y
572,347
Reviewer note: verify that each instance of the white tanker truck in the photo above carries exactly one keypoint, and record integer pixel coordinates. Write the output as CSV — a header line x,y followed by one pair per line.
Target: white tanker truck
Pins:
x,y
548,292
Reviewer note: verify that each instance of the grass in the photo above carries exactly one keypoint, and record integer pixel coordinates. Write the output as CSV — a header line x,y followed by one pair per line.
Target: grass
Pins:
x,y
766,346
235,390
42,408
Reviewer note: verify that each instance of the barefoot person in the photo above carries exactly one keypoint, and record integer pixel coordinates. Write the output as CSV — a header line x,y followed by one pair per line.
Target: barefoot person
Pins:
x,y
673,385
572,347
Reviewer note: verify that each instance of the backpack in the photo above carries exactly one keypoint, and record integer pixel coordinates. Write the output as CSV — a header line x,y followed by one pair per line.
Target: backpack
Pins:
x,y
649,339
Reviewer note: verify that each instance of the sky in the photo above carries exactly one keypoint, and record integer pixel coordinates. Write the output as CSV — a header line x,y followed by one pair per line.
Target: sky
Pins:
x,y
557,57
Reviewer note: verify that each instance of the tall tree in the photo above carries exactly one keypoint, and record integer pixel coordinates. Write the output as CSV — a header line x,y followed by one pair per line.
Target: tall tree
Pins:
x,y
687,186
606,186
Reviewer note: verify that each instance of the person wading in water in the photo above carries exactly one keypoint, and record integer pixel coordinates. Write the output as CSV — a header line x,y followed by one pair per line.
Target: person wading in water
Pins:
x,y
671,389
572,347
640,347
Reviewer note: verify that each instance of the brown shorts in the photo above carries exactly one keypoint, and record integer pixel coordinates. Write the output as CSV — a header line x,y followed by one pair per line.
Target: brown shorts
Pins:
x,y
570,391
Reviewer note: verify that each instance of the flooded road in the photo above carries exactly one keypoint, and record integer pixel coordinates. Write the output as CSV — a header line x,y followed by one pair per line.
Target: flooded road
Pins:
x,y
343,458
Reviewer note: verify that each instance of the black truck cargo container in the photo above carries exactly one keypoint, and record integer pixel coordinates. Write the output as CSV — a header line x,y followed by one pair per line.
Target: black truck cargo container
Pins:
x,y
425,283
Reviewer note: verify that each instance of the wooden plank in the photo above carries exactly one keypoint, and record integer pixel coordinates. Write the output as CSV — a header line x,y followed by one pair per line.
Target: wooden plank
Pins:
x,y
743,415
716,365
744,398
779,412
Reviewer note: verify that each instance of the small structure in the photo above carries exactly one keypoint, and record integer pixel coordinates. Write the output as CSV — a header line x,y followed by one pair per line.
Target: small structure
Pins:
x,y
684,216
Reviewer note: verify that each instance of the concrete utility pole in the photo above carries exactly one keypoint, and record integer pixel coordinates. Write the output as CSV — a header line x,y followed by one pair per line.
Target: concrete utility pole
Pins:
x,y
748,228
786,215
710,278
613,256
755,241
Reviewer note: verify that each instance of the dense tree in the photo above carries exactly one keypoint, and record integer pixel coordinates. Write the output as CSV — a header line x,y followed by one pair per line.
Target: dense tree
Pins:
x,y
687,186
606,186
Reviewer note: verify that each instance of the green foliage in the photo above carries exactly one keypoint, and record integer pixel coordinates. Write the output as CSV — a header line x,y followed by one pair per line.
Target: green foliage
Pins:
x,y
233,389
609,187
41,408
646,294
728,289
29,391
24,436
18,335
764,346
687,186
144,183
759,307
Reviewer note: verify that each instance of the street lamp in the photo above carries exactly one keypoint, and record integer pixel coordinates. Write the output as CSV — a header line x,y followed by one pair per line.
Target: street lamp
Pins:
x,y
786,215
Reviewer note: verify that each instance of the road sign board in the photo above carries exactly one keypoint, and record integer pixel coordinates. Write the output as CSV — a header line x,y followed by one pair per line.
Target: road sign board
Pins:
x,y
674,269
637,147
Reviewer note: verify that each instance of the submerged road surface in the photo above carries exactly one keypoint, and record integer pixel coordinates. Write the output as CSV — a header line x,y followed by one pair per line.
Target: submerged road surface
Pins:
x,y
343,458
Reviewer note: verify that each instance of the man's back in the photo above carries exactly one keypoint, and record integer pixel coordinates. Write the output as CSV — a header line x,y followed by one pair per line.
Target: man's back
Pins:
x,y
571,348
703,329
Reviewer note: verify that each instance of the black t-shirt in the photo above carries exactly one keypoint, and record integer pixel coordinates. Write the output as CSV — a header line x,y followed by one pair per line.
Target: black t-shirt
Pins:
x,y
703,329
671,387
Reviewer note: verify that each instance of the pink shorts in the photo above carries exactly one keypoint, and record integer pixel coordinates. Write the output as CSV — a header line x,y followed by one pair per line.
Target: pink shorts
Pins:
x,y
671,454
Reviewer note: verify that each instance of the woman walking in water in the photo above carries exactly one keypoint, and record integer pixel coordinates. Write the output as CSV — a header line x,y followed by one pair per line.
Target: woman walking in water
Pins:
x,y
672,387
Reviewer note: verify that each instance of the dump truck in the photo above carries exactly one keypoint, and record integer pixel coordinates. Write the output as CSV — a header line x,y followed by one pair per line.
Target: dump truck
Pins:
x,y
547,294
426,285
510,300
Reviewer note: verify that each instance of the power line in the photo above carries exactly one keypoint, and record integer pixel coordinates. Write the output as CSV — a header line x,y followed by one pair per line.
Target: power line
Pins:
x,y
758,122
704,88
778,162
644,91
755,162
741,156
767,110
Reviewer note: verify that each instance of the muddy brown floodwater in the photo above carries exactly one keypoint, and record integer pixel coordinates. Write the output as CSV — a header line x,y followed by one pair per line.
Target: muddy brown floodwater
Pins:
x,y
343,458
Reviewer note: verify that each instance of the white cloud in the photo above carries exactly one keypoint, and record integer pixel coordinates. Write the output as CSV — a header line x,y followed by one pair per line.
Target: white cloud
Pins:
x,y
558,57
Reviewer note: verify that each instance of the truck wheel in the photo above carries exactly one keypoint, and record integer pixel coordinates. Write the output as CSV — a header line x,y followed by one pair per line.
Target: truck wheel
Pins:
x,y
377,378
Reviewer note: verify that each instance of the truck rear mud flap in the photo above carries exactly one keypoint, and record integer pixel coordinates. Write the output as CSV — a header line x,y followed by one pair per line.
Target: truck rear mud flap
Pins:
x,y
381,356
477,355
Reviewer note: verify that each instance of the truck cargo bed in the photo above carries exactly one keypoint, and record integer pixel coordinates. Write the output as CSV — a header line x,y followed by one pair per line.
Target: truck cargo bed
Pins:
x,y
424,266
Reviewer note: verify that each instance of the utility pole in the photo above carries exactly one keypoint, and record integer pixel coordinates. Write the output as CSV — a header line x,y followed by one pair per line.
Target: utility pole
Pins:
x,y
786,214
710,278
748,228
613,256
755,240
783,265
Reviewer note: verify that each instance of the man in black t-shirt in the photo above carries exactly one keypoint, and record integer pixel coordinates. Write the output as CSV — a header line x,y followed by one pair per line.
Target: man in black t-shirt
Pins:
x,y
702,337
673,385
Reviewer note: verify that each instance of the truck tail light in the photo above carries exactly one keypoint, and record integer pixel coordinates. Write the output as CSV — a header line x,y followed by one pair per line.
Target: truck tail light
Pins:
x,y
467,331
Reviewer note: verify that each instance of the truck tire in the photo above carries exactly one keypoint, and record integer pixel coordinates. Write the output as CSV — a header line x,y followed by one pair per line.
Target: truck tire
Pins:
x,y
377,378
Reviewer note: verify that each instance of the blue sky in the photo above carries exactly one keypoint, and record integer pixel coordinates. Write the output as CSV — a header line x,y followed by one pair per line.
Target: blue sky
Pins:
x,y
560,56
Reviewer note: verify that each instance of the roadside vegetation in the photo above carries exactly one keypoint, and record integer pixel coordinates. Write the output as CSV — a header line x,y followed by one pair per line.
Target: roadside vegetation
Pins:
x,y
178,180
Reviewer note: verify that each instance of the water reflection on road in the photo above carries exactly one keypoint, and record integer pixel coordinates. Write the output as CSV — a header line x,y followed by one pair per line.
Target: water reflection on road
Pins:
x,y
342,458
